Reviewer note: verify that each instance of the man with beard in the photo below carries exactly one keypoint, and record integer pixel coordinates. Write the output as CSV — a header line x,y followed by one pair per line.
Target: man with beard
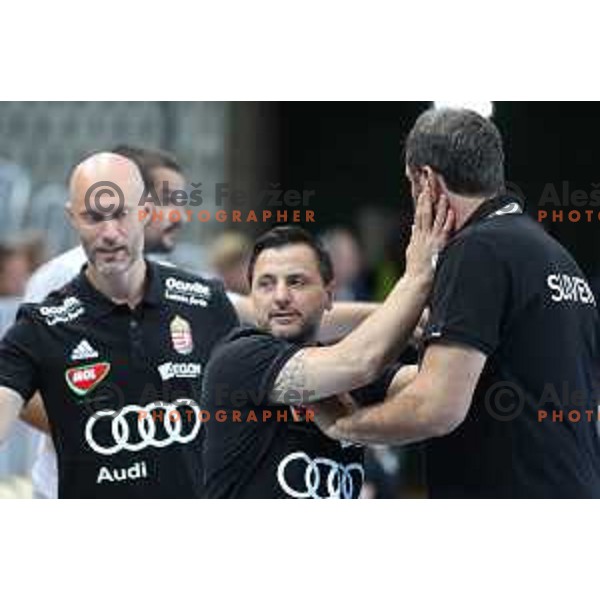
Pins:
x,y
117,352
161,175
260,384
507,384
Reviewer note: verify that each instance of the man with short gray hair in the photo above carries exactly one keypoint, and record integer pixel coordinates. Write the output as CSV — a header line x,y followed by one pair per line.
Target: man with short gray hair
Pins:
x,y
506,386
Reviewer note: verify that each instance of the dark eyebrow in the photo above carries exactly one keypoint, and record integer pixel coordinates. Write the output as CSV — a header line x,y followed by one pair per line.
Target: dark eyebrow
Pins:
x,y
99,215
85,213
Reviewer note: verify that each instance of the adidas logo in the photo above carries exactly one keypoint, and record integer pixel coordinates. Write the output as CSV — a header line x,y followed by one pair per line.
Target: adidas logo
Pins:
x,y
83,351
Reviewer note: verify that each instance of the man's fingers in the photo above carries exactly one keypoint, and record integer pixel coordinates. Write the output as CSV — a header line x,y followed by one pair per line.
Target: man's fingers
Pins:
x,y
417,222
441,213
449,222
424,210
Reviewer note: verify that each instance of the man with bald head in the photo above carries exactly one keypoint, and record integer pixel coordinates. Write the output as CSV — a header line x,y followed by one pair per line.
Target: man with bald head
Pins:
x,y
160,172
117,353
111,233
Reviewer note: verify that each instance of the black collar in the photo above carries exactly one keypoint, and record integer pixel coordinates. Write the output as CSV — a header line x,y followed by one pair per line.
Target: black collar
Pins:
x,y
98,305
499,205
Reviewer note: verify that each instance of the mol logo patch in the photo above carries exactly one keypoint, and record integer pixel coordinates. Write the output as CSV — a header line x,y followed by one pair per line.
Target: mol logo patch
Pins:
x,y
82,380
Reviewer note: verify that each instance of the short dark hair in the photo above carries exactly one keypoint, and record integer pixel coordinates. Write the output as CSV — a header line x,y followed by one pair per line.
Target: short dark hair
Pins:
x,y
462,146
287,236
147,159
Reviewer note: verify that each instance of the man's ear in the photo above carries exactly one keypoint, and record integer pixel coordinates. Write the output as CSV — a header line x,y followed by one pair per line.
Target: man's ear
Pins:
x,y
144,215
69,214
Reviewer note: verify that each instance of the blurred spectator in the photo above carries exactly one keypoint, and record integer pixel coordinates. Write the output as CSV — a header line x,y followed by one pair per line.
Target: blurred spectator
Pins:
x,y
14,270
18,260
163,176
229,257
391,265
34,243
348,264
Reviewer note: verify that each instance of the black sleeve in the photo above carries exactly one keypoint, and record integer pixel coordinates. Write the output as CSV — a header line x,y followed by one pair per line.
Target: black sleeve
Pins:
x,y
245,369
469,300
375,392
19,358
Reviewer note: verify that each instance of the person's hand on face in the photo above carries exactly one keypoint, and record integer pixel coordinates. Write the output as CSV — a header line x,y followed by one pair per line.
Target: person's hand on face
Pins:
x,y
433,224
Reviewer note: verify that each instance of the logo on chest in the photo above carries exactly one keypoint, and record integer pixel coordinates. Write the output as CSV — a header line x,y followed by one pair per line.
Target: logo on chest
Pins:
x,y
192,293
169,370
82,380
83,351
181,335
70,309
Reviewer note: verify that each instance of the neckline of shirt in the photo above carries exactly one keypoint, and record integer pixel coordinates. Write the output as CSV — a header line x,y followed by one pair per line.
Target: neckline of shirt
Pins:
x,y
100,304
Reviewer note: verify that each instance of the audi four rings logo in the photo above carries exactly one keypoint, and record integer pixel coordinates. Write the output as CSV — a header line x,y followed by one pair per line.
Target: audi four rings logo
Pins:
x,y
340,483
145,424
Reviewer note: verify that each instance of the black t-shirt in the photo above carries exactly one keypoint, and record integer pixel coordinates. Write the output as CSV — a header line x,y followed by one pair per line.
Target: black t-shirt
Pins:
x,y
255,448
118,383
508,289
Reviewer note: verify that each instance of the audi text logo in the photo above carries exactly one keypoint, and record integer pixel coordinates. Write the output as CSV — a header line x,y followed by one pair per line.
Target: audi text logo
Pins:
x,y
339,477
146,432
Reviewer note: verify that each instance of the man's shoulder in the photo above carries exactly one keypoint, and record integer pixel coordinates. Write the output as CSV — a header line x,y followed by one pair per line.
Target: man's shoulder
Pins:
x,y
493,227
248,359
506,230
60,306
54,274
248,344
503,239
247,337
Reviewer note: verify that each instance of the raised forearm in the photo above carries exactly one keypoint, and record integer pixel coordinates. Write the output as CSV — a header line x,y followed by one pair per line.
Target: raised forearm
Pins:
x,y
337,323
433,405
343,318
382,337
356,360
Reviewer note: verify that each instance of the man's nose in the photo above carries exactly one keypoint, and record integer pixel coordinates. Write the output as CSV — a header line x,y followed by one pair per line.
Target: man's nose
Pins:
x,y
282,293
110,229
